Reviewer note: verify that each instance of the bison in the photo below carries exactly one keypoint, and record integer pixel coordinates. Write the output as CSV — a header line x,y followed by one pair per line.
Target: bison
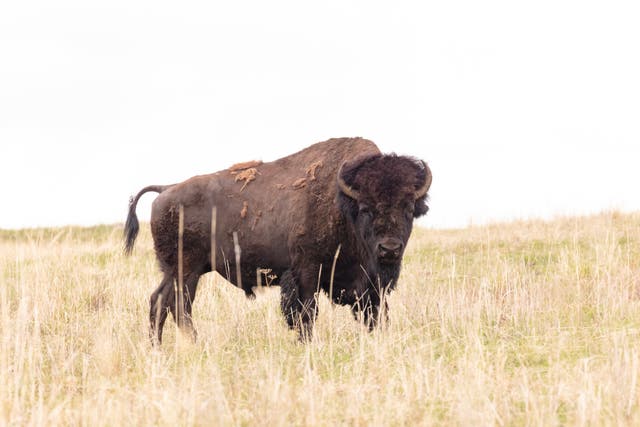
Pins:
x,y
335,217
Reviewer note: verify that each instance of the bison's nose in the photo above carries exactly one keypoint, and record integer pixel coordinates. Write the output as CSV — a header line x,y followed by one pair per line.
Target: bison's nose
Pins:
x,y
390,248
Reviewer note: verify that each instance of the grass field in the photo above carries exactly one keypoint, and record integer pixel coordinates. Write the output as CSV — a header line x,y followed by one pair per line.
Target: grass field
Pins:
x,y
526,323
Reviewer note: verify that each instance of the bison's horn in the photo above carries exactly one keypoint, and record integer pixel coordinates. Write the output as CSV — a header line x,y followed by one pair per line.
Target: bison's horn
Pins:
x,y
427,182
346,189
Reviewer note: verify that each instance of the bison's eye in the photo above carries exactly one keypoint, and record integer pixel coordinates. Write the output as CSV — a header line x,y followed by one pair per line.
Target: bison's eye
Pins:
x,y
364,210
408,209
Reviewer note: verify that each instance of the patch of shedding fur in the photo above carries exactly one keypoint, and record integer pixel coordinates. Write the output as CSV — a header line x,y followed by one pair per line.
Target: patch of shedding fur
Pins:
x,y
245,209
311,170
300,230
299,183
244,165
246,175
256,219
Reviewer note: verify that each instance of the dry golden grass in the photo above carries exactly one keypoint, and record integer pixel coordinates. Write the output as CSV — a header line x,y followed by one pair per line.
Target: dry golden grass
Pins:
x,y
527,323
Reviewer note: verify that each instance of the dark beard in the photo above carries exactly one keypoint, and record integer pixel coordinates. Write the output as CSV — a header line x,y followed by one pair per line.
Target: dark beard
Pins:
x,y
373,281
387,275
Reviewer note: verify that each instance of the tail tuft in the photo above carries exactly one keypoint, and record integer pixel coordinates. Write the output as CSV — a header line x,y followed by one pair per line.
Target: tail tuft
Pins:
x,y
131,227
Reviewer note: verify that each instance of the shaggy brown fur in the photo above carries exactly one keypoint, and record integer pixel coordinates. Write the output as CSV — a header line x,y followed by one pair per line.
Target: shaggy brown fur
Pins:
x,y
293,230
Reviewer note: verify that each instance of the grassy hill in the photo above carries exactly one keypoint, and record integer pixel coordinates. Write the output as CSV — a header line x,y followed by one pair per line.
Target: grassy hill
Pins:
x,y
526,323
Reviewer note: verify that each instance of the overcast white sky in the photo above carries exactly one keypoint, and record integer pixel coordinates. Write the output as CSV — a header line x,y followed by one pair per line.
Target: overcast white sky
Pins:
x,y
522,109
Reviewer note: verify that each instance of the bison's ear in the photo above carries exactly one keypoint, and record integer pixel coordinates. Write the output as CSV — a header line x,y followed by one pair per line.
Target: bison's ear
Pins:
x,y
424,177
421,207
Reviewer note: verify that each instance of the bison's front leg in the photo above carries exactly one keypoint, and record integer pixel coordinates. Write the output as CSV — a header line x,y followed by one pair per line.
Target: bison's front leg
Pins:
x,y
298,304
371,311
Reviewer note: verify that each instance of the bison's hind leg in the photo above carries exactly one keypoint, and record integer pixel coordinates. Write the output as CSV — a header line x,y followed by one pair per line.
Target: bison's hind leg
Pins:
x,y
189,292
163,301
159,306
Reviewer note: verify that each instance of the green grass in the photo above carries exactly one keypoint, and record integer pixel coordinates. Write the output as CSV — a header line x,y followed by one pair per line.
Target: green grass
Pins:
x,y
526,323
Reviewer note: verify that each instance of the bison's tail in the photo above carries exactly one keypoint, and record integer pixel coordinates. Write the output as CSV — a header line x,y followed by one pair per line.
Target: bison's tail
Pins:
x,y
131,226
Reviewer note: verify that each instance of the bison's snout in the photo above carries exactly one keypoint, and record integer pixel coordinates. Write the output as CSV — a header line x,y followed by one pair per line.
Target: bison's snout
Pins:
x,y
390,249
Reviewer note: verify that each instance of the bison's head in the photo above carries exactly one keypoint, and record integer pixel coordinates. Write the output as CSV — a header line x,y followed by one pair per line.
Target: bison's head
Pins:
x,y
380,195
